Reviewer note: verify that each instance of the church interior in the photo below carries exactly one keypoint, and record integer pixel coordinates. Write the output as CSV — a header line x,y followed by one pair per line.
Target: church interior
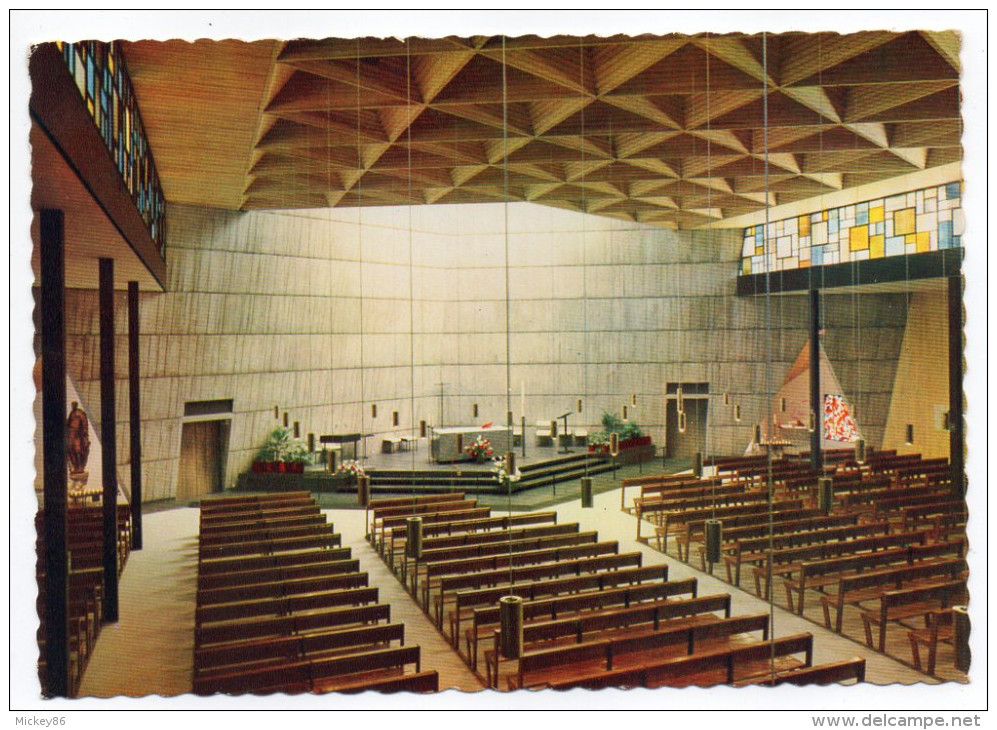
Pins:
x,y
384,367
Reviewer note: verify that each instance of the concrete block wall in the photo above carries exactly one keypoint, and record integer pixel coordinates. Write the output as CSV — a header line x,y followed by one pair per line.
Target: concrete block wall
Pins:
x,y
322,313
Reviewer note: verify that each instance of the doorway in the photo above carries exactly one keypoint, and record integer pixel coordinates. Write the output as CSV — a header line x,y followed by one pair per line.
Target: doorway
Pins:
x,y
203,452
685,445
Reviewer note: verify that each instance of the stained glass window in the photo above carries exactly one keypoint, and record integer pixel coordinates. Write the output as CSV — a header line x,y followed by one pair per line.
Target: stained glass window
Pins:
x,y
101,77
923,220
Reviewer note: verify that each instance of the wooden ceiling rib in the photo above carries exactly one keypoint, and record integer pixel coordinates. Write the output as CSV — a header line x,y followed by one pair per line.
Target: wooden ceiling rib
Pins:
x,y
636,127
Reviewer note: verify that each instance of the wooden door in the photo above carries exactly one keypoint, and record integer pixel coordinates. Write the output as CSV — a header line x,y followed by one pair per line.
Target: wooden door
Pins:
x,y
200,460
685,445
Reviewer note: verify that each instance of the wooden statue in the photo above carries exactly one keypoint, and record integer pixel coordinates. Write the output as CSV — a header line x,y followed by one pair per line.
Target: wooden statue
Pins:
x,y
77,439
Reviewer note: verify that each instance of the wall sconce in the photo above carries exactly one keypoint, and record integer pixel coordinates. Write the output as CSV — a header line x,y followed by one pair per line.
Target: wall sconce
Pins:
x,y
633,399
737,412
276,412
287,421
909,440
422,429
474,409
311,443
682,422
373,410
726,398
625,413
579,406
782,404
758,433
297,429
394,418
460,443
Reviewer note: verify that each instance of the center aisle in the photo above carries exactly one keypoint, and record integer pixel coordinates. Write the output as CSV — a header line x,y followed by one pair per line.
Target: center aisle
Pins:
x,y
436,652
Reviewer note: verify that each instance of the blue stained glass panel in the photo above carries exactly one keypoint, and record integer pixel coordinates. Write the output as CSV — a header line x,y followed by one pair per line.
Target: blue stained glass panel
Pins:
x,y
945,234
952,190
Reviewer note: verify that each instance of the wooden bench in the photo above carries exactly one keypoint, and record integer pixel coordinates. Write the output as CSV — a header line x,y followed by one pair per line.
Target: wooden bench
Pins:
x,y
541,667
821,674
485,619
397,535
223,658
694,530
705,669
390,524
577,628
262,523
499,561
375,504
279,588
448,584
681,517
262,533
418,682
819,574
378,516
907,603
867,586
279,573
284,605
211,521
754,551
258,628
939,627
267,546
534,590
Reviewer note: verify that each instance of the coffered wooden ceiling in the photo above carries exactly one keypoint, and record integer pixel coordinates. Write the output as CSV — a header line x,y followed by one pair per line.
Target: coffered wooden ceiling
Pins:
x,y
667,130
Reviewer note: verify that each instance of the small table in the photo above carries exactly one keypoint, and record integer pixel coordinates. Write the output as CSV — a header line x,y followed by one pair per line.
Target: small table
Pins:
x,y
342,438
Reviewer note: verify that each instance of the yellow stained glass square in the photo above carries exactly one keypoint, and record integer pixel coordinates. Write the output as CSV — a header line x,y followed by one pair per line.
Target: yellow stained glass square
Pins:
x,y
876,214
858,238
823,215
910,238
759,250
746,266
876,246
904,222
804,225
923,241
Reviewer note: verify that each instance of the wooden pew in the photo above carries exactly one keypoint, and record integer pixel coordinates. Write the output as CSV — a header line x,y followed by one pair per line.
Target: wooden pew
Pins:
x,y
786,561
262,523
279,588
237,502
422,682
224,658
907,603
576,662
682,517
390,524
819,574
462,526
374,504
654,614
258,628
436,571
269,545
385,515
754,551
212,521
448,584
868,586
939,627
705,669
821,674
332,672
561,606
257,562
284,605
694,530
278,573
534,590
262,534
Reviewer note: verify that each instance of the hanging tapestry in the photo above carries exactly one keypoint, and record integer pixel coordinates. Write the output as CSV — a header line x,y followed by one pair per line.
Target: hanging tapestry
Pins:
x,y
838,422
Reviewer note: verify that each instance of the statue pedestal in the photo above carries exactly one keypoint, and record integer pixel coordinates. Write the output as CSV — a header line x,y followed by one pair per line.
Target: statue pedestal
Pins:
x,y
79,491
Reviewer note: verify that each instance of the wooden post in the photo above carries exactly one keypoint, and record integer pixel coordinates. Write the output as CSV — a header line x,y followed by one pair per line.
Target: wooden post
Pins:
x,y
53,335
134,415
108,445
816,406
956,433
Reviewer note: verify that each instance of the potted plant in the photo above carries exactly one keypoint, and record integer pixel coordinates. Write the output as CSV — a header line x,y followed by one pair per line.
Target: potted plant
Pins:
x,y
281,452
629,434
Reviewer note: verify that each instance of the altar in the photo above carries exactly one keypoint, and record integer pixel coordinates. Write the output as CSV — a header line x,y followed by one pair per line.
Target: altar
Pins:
x,y
450,444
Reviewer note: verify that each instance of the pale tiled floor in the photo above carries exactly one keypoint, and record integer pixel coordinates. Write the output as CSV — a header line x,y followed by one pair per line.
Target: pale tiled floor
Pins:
x,y
149,651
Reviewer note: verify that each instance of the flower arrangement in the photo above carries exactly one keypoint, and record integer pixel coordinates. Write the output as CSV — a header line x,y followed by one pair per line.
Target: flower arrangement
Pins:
x,y
502,476
351,468
480,449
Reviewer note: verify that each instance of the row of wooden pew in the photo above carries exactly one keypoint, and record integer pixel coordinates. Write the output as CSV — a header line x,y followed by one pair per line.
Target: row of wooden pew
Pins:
x,y
891,547
283,607
593,613
85,542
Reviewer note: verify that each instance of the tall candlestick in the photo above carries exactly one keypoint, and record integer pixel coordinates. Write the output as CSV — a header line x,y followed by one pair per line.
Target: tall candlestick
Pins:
x,y
522,397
